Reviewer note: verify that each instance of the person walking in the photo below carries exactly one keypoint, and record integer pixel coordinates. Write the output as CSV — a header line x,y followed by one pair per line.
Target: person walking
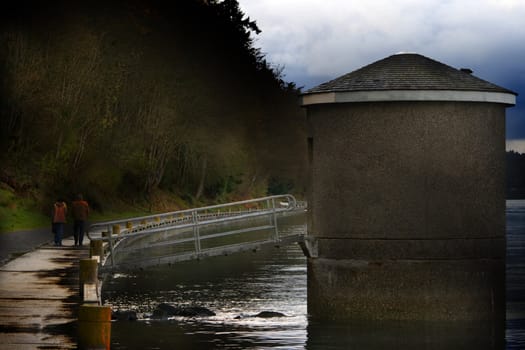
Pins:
x,y
59,220
80,215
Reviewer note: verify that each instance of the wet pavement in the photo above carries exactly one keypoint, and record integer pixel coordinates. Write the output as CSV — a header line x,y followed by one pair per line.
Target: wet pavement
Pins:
x,y
13,244
39,294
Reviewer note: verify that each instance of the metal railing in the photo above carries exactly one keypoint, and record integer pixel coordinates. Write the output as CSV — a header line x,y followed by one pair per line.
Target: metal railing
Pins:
x,y
114,232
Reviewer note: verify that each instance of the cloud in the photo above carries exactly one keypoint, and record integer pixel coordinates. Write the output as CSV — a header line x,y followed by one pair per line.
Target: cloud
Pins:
x,y
328,38
318,40
515,145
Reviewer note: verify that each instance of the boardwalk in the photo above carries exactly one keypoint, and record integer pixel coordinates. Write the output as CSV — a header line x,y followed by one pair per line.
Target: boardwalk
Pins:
x,y
38,298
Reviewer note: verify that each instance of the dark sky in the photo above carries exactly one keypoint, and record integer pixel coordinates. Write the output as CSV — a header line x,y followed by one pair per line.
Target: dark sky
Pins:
x,y
317,40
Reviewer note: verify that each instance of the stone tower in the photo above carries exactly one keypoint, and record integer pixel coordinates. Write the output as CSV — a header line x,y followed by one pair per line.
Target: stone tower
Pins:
x,y
407,193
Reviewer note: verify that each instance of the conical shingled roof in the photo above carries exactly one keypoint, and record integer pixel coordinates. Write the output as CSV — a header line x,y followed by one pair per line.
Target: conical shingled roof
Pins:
x,y
407,72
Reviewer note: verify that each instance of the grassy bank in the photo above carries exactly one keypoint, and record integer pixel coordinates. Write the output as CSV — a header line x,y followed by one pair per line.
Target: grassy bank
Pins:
x,y
25,212
19,213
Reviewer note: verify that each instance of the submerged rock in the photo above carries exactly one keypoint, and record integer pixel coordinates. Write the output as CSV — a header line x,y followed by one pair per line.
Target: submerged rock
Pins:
x,y
165,310
269,314
124,315
263,314
159,314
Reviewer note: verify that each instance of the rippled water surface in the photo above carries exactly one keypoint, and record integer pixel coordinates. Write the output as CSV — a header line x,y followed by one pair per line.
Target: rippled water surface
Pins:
x,y
241,284
515,332
245,284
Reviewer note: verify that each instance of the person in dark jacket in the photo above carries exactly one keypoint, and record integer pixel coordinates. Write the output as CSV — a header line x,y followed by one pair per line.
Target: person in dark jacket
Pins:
x,y
59,220
80,215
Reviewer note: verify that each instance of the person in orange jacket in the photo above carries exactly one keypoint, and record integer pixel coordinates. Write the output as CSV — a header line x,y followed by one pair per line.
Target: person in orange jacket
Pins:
x,y
59,220
80,215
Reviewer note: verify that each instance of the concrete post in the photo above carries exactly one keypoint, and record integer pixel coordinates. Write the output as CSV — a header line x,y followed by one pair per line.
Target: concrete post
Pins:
x,y
116,230
94,327
96,248
88,278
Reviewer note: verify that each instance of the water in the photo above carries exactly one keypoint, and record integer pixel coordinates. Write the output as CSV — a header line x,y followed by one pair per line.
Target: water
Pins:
x,y
515,328
242,284
275,280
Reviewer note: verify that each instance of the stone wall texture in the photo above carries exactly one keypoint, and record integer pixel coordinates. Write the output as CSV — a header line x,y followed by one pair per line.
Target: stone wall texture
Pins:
x,y
408,210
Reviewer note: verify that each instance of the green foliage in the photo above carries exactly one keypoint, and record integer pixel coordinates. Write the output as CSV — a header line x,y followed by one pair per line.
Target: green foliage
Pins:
x,y
277,185
19,213
223,187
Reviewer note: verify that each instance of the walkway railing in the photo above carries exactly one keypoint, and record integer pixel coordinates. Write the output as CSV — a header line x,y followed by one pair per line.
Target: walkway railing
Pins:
x,y
171,229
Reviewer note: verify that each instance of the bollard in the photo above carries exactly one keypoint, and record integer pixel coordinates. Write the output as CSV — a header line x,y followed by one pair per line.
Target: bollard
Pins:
x,y
88,274
94,327
116,230
96,248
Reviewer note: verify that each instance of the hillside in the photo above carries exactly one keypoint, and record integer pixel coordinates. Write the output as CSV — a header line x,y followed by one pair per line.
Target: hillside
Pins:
x,y
146,104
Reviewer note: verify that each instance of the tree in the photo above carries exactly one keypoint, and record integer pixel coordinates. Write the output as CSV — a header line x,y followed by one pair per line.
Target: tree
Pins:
x,y
515,175
145,96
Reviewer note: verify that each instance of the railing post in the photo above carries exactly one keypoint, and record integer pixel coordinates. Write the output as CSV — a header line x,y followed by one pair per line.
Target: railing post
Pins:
x,y
276,230
269,207
110,241
196,232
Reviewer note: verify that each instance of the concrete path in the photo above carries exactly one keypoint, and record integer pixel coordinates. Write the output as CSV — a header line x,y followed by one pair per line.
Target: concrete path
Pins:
x,y
39,298
13,244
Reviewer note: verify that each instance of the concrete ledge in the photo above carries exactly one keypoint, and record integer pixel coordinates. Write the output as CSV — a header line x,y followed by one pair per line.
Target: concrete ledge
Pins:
x,y
439,290
419,249
409,95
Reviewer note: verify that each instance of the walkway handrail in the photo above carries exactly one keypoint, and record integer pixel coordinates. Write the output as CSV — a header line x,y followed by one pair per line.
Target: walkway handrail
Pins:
x,y
286,201
113,231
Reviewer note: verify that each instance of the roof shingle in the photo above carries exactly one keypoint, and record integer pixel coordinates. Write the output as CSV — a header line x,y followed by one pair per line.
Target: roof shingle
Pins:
x,y
407,72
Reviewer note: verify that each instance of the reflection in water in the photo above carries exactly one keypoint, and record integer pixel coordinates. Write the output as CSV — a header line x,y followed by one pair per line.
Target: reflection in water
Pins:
x,y
275,280
515,328
242,284
403,335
